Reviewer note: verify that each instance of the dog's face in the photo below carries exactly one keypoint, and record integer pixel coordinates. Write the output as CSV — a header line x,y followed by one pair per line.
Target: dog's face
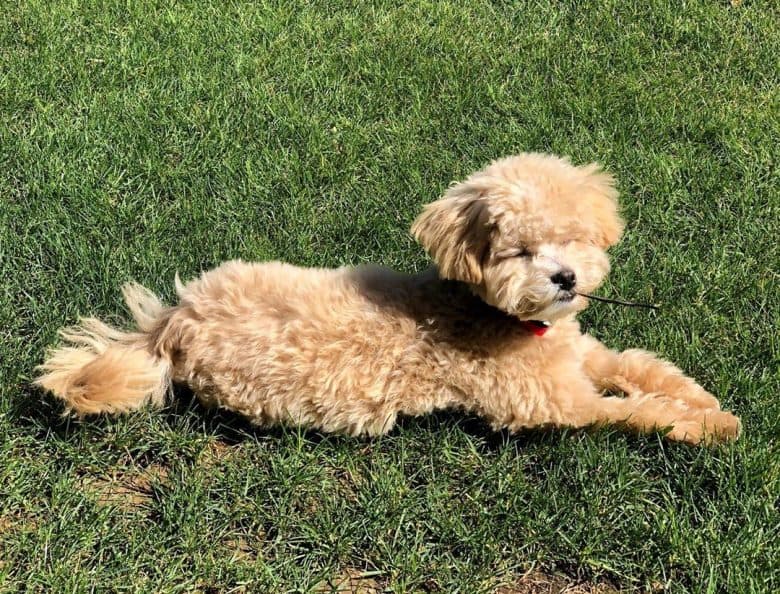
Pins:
x,y
526,232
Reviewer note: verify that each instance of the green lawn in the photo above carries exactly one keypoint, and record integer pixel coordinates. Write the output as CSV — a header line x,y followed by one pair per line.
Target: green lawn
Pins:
x,y
142,138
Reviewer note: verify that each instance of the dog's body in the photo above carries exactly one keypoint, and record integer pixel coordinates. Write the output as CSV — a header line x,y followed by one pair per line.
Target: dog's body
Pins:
x,y
349,350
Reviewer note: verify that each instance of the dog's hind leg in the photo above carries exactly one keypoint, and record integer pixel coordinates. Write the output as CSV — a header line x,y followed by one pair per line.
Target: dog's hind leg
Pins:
x,y
637,372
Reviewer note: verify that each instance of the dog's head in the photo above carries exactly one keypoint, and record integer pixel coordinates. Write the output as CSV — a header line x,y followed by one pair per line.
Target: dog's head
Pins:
x,y
525,232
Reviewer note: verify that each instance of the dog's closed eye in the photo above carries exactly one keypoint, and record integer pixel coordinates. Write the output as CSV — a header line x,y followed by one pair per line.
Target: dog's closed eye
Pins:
x,y
516,252
578,242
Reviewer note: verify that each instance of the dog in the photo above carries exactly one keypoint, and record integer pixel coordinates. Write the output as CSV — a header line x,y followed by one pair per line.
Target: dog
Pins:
x,y
489,329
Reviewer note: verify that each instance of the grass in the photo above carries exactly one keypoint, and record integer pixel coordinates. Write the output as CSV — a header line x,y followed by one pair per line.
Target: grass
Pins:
x,y
142,138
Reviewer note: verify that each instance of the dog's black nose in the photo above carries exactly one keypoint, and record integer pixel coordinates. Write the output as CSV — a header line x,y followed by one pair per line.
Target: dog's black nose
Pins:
x,y
565,279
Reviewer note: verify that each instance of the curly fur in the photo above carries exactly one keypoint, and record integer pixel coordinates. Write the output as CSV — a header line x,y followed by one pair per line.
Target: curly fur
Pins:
x,y
350,349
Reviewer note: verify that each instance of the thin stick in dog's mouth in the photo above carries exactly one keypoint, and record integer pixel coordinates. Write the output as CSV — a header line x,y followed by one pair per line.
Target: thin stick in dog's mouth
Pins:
x,y
619,301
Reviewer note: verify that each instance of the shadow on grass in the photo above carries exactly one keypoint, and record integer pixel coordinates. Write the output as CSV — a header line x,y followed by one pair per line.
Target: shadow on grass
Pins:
x,y
43,415
232,428
40,413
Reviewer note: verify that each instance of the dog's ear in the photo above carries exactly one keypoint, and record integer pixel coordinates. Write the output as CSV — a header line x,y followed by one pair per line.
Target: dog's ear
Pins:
x,y
598,189
455,231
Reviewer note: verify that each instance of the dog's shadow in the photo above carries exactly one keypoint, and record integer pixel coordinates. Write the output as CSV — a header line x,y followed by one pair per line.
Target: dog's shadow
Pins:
x,y
232,428
43,416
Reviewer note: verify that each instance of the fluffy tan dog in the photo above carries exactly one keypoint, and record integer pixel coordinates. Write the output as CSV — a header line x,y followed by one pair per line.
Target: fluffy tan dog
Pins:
x,y
491,329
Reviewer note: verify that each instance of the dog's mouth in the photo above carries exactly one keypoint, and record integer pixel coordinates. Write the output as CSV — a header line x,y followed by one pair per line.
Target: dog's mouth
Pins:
x,y
565,296
554,306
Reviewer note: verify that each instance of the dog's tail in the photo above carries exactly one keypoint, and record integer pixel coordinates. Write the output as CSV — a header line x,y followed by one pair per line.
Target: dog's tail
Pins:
x,y
104,370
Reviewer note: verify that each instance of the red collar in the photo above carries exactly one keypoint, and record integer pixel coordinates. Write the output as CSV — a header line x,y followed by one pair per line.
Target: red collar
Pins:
x,y
537,327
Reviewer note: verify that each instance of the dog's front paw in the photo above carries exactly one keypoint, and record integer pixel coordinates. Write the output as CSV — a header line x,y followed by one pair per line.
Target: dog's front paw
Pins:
x,y
713,426
721,425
